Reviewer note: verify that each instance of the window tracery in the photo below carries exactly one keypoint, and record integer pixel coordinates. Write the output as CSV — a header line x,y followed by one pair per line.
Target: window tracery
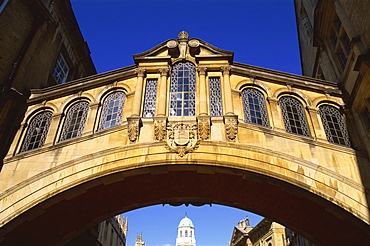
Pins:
x,y
254,106
112,110
150,97
294,117
334,126
182,90
215,100
37,131
74,122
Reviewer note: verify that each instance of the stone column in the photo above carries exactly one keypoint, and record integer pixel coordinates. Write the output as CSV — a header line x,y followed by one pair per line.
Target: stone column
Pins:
x,y
138,92
91,118
162,98
203,109
229,109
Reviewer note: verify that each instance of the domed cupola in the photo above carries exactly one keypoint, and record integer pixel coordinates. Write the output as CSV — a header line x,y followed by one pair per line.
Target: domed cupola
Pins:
x,y
185,233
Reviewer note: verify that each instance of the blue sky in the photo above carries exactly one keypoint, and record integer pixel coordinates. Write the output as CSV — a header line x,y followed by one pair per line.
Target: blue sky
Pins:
x,y
260,32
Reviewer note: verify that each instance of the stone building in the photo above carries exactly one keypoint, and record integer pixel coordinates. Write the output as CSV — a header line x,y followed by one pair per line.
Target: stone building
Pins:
x,y
111,232
265,233
334,38
186,233
41,45
187,125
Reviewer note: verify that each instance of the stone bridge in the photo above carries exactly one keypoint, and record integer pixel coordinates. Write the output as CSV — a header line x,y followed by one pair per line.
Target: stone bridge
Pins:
x,y
186,125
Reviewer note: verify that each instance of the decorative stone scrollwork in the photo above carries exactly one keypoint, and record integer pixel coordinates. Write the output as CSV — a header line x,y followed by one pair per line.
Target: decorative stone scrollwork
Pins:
x,y
231,126
160,125
133,128
182,138
204,127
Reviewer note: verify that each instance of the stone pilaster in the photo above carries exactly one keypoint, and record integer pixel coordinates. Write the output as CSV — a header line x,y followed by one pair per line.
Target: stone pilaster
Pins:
x,y
229,109
138,91
162,98
90,122
203,109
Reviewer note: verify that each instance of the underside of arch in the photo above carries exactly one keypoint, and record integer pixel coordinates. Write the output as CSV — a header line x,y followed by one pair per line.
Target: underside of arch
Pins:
x,y
63,216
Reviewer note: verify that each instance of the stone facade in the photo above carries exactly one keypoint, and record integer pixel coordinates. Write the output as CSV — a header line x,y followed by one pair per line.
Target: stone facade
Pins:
x,y
101,146
334,38
266,232
34,34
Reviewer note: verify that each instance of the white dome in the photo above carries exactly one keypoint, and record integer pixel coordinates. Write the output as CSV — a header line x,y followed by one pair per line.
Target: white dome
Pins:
x,y
186,222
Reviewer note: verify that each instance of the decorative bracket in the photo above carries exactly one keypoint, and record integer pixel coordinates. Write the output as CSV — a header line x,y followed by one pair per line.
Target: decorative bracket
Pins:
x,y
204,127
134,123
231,126
160,125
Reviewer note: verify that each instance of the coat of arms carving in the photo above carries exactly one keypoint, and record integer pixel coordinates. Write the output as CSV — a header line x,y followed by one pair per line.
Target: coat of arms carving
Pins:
x,y
182,138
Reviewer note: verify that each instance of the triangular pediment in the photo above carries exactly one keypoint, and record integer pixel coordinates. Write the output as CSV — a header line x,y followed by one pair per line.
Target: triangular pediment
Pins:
x,y
183,48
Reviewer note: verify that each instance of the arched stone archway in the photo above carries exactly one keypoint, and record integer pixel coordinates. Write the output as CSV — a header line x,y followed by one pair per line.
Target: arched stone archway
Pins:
x,y
135,176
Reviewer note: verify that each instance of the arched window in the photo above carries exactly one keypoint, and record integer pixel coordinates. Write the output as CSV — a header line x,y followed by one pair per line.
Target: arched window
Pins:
x,y
182,90
254,107
335,128
36,132
74,122
294,117
186,233
112,109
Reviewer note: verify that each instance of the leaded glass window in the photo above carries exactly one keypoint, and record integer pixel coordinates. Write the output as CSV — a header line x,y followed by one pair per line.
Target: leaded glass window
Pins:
x,y
254,105
37,131
335,128
74,122
182,90
61,70
215,98
112,109
294,117
150,97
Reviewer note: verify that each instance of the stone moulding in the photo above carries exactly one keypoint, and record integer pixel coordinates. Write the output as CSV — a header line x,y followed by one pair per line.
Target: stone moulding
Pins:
x,y
182,138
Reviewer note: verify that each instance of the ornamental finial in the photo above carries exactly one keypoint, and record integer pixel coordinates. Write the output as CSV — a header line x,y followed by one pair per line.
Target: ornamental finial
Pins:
x,y
183,36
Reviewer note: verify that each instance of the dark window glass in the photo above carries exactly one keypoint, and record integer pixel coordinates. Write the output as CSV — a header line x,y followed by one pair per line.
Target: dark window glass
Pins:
x,y
37,131
74,122
335,128
294,117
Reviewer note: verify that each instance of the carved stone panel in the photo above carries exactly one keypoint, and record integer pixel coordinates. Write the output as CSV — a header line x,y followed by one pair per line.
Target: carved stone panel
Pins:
x,y
182,138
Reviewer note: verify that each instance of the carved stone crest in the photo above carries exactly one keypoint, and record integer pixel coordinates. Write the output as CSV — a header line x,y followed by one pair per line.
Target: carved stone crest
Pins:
x,y
182,138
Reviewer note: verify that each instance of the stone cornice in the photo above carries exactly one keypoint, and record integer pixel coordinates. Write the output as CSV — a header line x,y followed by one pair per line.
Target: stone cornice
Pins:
x,y
74,86
297,81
